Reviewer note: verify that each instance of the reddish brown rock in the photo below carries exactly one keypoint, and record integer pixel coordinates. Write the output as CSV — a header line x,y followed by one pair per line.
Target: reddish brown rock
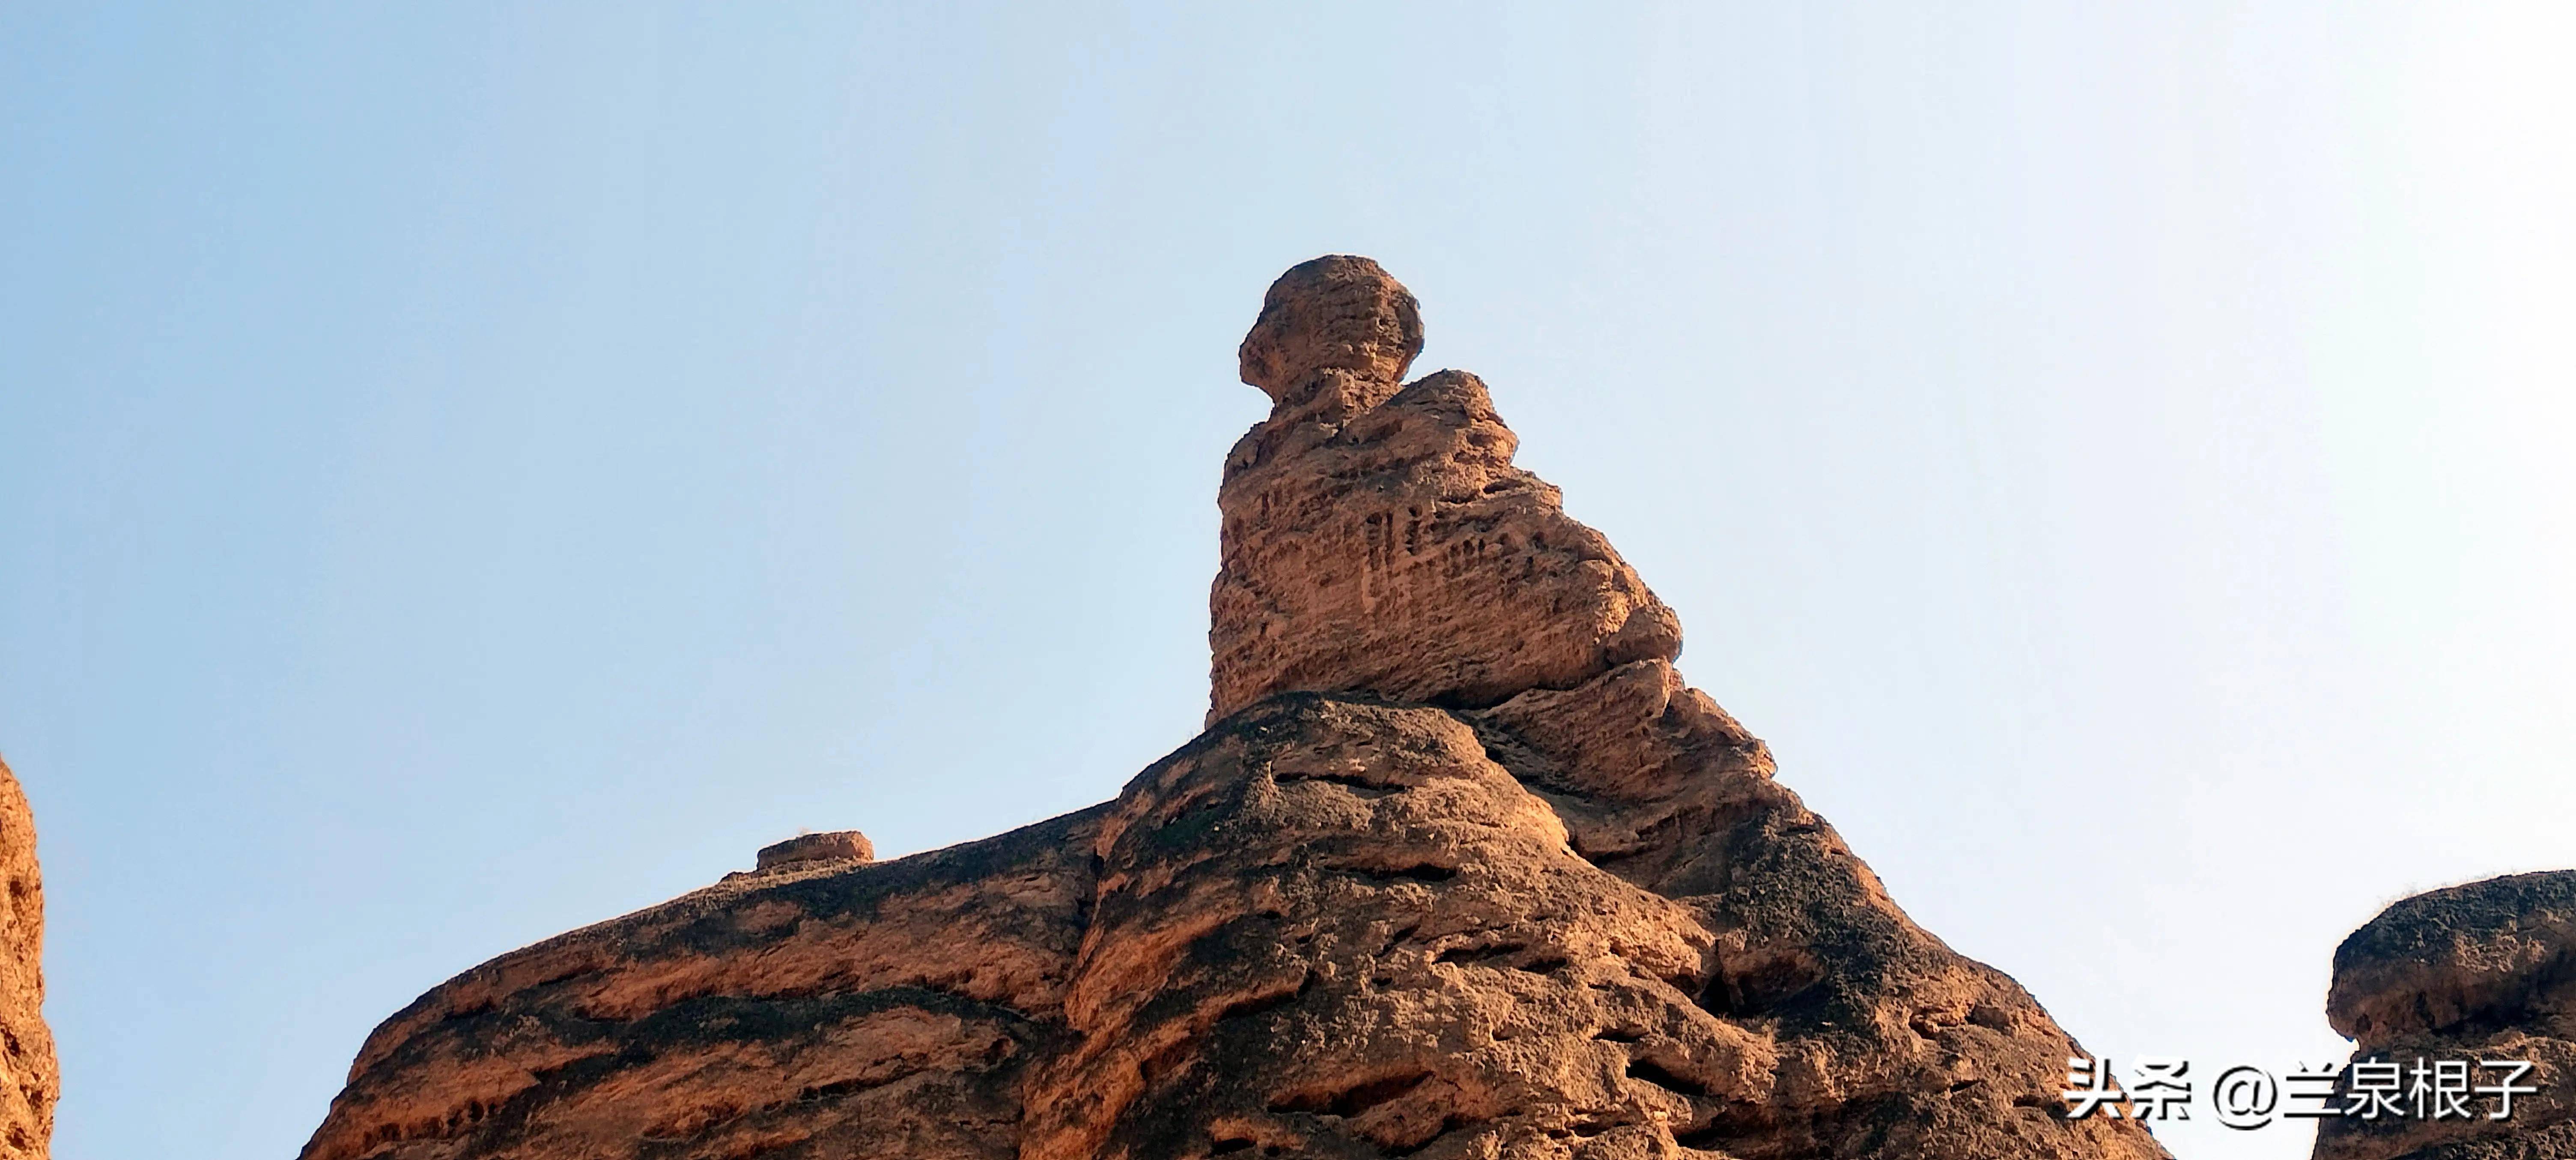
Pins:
x,y
1460,868
1384,542
29,1079
1337,928
846,1009
2485,971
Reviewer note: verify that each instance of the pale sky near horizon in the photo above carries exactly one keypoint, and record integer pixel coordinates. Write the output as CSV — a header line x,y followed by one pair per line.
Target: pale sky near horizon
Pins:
x,y
472,470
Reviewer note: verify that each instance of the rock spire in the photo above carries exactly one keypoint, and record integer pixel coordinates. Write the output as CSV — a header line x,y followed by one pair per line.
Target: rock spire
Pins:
x,y
1376,537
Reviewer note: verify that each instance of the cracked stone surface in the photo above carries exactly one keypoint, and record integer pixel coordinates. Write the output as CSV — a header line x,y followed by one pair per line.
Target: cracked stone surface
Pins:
x,y
1462,867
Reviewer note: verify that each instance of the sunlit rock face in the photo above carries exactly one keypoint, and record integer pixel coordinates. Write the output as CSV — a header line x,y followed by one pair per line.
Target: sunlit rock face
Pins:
x,y
29,1080
2485,971
1460,868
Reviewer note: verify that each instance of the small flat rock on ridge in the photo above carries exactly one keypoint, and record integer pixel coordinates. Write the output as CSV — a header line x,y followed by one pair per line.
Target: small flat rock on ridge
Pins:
x,y
834,846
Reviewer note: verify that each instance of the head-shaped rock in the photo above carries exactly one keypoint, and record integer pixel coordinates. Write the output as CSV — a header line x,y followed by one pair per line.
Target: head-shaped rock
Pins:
x,y
1336,330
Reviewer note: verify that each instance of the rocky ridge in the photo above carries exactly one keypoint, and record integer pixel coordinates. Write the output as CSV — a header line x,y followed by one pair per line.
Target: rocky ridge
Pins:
x,y
2484,971
1461,867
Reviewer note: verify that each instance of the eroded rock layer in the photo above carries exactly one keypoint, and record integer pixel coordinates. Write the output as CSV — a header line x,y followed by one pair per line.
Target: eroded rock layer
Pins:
x,y
2485,971
1461,868
850,1009
29,1079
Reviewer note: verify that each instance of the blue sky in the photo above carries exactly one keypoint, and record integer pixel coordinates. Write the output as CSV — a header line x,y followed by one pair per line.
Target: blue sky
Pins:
x,y
472,471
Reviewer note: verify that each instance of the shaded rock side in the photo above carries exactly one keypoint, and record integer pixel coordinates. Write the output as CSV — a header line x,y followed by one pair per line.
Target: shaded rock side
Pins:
x,y
31,1081
2475,972
1461,868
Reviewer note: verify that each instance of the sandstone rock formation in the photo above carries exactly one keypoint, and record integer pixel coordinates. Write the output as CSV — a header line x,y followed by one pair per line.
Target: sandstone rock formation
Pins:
x,y
2476,972
29,1081
1460,868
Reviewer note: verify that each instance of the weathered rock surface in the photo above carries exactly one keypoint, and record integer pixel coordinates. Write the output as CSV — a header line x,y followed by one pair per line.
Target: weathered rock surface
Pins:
x,y
1460,868
2482,971
851,1009
29,1080
1377,537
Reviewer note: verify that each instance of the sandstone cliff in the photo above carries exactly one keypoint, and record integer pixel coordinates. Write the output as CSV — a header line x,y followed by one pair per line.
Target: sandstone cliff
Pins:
x,y
2485,971
28,1078
1460,868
